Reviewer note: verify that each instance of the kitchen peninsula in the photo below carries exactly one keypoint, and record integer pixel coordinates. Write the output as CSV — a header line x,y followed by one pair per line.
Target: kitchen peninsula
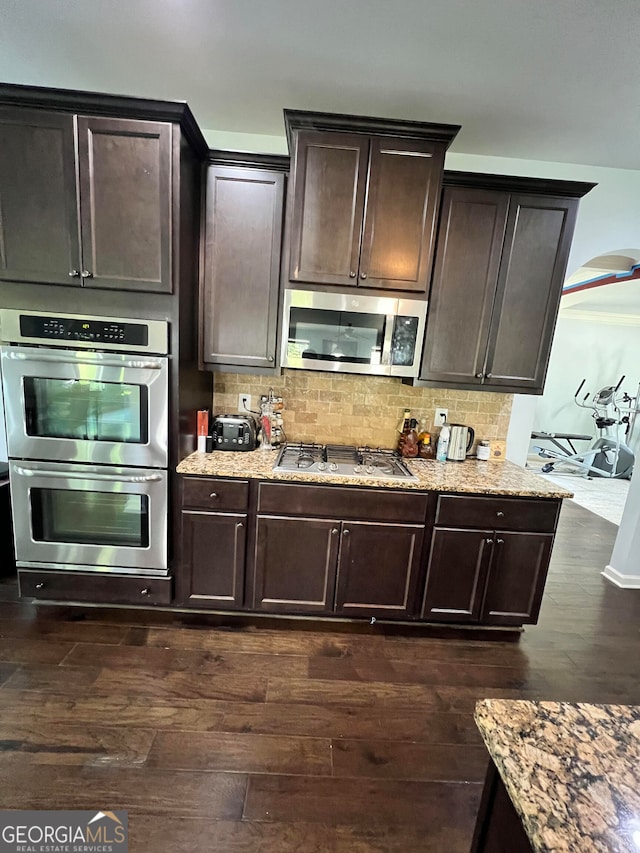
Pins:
x,y
563,777
462,543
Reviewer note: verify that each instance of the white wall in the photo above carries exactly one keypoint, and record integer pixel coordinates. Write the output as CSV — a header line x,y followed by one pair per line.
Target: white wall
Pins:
x,y
3,435
598,352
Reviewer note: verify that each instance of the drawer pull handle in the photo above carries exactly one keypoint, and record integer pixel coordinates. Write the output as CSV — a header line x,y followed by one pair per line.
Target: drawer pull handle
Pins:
x,y
145,591
500,514
213,495
40,585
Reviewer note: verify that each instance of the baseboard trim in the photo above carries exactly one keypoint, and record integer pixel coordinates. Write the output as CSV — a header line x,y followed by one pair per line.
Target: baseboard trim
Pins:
x,y
620,580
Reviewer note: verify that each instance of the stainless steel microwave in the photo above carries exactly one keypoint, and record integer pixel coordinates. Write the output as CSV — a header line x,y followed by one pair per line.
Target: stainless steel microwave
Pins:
x,y
350,333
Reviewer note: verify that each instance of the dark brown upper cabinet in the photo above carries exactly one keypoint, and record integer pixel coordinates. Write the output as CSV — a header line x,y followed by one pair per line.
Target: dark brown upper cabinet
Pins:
x,y
85,201
125,203
38,205
501,256
241,263
363,200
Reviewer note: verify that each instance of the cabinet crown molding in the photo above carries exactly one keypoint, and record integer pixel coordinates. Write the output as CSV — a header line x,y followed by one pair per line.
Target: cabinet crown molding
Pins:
x,y
250,160
101,104
296,120
517,184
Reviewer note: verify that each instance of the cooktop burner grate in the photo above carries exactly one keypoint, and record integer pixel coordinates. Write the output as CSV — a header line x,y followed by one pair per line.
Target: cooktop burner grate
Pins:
x,y
345,460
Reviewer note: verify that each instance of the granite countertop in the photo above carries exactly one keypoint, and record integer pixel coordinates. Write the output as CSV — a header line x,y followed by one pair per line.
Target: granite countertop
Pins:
x,y
471,477
572,771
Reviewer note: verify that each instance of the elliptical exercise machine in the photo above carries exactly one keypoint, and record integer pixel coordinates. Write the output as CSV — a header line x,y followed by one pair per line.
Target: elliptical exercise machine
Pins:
x,y
608,456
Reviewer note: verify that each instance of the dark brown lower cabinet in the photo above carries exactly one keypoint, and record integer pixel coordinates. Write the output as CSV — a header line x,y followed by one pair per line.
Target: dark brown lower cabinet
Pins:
x,y
378,569
498,827
456,574
516,578
295,564
213,559
487,576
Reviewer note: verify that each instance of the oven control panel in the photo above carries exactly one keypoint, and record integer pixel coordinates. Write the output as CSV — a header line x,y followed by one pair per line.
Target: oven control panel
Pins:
x,y
83,331
69,329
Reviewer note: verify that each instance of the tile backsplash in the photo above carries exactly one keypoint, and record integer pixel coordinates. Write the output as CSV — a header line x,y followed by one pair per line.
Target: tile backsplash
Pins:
x,y
346,409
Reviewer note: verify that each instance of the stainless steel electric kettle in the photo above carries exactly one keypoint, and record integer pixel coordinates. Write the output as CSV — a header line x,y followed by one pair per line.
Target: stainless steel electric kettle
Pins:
x,y
460,442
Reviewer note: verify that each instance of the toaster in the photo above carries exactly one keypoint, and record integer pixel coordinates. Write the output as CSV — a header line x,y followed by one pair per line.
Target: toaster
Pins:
x,y
234,432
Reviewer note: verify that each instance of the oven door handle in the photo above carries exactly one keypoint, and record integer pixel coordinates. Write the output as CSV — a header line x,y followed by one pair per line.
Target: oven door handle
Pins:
x,y
95,362
78,475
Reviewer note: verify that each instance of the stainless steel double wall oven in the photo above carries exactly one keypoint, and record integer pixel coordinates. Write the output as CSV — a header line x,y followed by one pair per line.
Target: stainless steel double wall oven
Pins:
x,y
86,408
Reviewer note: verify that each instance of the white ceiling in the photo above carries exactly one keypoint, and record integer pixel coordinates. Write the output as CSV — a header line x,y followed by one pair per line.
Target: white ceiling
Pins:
x,y
551,80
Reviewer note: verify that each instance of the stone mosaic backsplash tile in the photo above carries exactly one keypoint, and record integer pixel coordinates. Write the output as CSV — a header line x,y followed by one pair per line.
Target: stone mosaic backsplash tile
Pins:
x,y
345,409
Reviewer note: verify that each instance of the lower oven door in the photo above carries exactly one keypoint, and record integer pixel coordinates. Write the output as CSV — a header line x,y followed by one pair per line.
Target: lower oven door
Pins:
x,y
89,517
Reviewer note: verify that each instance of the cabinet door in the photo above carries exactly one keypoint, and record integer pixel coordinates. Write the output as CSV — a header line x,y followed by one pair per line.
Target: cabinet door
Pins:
x,y
329,175
39,240
456,574
243,226
399,227
516,578
125,203
536,247
378,569
295,564
465,277
213,559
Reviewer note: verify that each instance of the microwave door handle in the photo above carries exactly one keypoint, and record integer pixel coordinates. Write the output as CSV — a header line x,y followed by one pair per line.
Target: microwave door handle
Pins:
x,y
388,338
78,475
79,359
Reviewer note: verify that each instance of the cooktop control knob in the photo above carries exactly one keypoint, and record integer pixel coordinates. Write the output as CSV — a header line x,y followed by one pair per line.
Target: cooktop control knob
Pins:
x,y
333,466
322,466
357,469
370,469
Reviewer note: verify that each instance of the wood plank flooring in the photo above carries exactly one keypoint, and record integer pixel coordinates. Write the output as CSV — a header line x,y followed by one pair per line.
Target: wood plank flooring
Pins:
x,y
237,738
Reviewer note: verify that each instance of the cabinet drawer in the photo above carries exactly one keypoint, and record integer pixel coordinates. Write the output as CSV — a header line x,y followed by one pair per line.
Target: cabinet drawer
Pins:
x,y
97,587
497,513
342,503
214,494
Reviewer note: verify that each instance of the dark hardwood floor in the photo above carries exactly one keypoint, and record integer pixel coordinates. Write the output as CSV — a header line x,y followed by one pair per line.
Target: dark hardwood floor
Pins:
x,y
236,738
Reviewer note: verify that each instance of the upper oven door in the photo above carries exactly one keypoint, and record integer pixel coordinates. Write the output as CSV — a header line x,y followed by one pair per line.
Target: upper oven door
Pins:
x,y
99,407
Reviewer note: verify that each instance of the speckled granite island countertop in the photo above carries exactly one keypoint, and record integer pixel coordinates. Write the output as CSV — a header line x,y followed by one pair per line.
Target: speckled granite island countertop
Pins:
x,y
571,771
471,477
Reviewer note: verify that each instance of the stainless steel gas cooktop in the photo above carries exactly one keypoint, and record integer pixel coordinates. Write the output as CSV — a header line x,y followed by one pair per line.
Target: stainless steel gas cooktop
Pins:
x,y
357,462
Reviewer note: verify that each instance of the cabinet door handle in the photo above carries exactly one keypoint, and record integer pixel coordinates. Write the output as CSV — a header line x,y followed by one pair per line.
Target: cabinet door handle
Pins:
x,y
489,541
239,525
86,274
334,531
488,375
363,275
500,514
479,375
352,274
74,274
500,541
40,585
345,532
270,358
213,495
